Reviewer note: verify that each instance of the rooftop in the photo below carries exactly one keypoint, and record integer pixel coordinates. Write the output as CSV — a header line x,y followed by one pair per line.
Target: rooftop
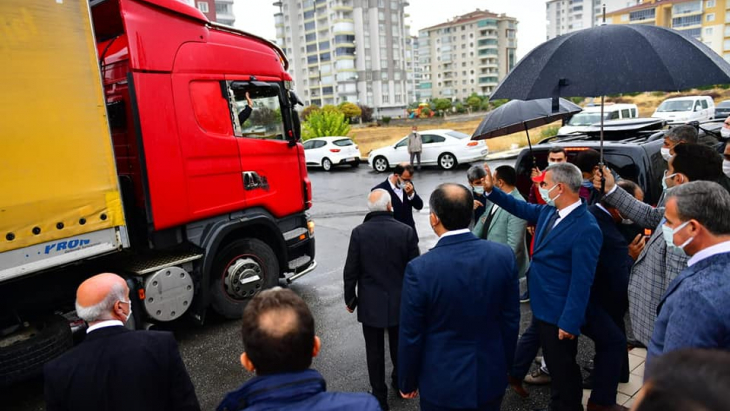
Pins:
x,y
470,17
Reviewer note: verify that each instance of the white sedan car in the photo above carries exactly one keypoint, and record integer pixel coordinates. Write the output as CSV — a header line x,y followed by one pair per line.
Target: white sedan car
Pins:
x,y
447,148
327,152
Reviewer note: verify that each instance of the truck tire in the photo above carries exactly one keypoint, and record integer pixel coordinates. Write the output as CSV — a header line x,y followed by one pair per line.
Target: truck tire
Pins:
x,y
250,260
24,359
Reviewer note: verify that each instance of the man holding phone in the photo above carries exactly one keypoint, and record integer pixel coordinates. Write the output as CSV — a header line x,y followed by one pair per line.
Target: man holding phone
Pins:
x,y
403,194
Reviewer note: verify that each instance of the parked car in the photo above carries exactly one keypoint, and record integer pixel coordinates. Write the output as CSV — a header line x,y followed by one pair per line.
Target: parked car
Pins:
x,y
327,152
722,110
447,148
592,115
681,110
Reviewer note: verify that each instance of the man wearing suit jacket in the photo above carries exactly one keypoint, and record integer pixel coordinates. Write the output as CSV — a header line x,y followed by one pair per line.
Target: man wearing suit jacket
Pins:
x,y
402,194
502,227
379,250
658,265
561,273
459,313
115,368
694,312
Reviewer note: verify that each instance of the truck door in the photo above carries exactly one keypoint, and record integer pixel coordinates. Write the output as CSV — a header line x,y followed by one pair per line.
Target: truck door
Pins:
x,y
269,162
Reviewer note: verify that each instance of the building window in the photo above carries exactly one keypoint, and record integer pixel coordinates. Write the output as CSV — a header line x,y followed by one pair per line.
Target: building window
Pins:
x,y
639,15
687,7
202,6
710,17
710,4
726,45
708,31
679,22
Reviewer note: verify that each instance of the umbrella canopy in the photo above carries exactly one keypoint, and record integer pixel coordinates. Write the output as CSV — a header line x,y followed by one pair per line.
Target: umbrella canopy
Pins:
x,y
614,59
518,115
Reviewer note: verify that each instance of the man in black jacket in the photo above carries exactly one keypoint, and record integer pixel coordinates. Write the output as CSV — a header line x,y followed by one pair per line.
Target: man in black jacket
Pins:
x,y
402,194
380,248
116,368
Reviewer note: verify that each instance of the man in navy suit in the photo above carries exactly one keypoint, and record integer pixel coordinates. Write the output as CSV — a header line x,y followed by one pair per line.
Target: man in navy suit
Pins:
x,y
116,368
402,194
459,313
561,273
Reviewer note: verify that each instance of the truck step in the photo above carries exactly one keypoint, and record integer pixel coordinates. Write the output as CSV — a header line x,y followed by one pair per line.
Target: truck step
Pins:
x,y
151,264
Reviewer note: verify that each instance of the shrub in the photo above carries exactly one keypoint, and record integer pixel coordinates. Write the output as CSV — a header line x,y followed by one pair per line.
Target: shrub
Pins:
x,y
497,103
426,112
658,93
308,111
548,132
350,110
460,108
324,123
386,120
474,102
366,113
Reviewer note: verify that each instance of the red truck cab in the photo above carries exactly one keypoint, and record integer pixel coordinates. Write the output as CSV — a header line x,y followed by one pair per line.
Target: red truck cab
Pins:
x,y
204,172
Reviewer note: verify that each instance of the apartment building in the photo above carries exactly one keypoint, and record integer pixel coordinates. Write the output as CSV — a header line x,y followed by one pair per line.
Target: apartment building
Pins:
x,y
467,54
565,16
706,20
413,70
346,50
220,11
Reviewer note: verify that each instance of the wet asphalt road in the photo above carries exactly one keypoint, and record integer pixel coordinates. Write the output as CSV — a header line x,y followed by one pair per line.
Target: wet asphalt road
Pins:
x,y
211,353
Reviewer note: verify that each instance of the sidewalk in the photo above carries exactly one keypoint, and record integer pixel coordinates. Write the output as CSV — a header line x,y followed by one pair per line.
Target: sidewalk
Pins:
x,y
627,391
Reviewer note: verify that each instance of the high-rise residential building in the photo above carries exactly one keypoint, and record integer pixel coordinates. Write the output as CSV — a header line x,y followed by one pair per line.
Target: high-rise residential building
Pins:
x,y
467,54
224,12
413,70
565,16
706,20
207,7
346,50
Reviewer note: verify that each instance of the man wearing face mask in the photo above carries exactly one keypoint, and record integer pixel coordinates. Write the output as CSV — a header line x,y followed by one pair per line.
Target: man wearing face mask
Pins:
x,y
675,136
475,175
555,155
115,368
694,312
656,265
561,273
402,194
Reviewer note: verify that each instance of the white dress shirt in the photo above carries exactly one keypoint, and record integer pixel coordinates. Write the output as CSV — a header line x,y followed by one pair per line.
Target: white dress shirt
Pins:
x,y
399,191
454,232
709,252
104,324
564,212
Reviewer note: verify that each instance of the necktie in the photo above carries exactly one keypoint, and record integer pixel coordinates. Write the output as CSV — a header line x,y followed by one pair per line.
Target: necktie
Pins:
x,y
550,224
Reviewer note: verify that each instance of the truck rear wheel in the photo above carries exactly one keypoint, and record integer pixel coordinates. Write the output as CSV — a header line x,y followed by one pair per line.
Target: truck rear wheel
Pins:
x,y
242,269
22,354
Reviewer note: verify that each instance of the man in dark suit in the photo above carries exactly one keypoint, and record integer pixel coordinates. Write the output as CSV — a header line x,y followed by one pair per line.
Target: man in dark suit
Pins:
x,y
379,250
561,273
402,194
116,368
460,313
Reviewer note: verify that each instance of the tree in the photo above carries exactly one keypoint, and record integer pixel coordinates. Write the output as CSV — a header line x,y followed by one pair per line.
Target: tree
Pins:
x,y
350,110
442,104
413,105
323,123
425,112
367,113
474,102
330,107
460,108
497,103
266,117
308,111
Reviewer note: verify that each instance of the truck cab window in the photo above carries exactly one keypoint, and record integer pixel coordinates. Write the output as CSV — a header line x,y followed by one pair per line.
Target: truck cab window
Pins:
x,y
258,113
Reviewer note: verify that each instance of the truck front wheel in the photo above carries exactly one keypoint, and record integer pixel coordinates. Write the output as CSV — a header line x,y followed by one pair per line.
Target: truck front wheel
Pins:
x,y
242,269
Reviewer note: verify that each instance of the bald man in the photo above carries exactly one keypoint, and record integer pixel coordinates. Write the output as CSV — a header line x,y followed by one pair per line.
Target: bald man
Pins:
x,y
379,250
279,342
115,368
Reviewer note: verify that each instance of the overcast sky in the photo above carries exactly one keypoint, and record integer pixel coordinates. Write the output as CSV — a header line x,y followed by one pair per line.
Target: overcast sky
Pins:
x,y
257,16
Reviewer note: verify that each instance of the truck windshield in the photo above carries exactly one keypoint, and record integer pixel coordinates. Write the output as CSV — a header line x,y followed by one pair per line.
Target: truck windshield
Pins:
x,y
261,118
677,105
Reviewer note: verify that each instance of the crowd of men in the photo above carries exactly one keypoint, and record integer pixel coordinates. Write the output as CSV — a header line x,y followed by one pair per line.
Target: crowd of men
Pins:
x,y
452,315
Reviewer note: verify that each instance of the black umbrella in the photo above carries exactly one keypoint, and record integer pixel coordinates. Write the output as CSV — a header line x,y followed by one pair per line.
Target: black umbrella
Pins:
x,y
612,59
518,115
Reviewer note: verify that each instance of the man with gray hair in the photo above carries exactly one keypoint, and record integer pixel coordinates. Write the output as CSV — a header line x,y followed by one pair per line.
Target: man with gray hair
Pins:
x,y
694,313
568,242
380,248
675,136
116,368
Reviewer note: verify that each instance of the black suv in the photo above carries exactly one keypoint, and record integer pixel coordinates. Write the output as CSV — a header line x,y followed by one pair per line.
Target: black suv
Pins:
x,y
631,149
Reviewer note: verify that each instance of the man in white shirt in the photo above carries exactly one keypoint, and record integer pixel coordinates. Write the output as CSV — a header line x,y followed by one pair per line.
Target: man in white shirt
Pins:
x,y
403,194
116,368
694,311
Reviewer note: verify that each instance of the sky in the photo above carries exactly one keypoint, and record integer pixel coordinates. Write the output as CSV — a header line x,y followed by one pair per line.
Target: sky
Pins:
x,y
257,16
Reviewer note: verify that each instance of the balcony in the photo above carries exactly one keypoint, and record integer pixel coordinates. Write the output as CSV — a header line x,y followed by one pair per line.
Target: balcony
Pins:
x,y
344,27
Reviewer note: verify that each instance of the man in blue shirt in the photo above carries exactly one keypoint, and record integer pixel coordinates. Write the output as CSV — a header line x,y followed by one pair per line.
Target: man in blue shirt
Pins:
x,y
278,336
694,313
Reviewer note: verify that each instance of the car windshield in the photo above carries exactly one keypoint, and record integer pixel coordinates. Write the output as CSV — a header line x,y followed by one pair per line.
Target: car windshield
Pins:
x,y
457,134
676,105
343,143
586,119
724,104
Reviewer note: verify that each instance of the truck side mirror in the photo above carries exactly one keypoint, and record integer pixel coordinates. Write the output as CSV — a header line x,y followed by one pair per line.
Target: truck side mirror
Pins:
x,y
297,125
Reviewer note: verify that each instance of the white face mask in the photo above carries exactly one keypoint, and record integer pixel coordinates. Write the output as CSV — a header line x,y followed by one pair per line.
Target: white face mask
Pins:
x,y
726,167
665,153
725,132
129,314
479,190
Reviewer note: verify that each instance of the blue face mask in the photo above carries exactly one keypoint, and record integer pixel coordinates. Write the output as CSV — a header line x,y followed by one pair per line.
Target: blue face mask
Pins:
x,y
668,234
587,183
545,194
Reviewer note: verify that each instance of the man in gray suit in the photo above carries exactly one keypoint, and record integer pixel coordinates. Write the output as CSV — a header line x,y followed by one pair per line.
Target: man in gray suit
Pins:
x,y
657,266
499,226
